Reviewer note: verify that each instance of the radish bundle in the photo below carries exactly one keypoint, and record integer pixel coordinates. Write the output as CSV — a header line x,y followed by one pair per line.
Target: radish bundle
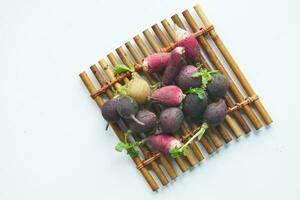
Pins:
x,y
188,99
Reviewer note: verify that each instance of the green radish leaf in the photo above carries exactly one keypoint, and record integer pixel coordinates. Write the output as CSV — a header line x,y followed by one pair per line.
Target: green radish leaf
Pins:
x,y
119,69
132,152
198,91
176,151
213,72
114,90
128,132
206,76
155,86
198,64
123,90
121,146
181,106
197,75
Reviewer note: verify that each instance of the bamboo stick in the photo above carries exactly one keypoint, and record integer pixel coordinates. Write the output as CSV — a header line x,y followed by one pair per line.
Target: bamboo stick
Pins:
x,y
169,30
214,138
213,57
232,126
237,115
145,150
233,65
151,40
161,36
91,88
224,133
146,52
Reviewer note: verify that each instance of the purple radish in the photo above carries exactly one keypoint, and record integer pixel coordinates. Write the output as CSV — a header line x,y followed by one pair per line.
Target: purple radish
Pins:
x,y
194,107
170,120
218,86
175,63
215,113
185,80
190,44
163,142
148,118
156,62
127,108
168,95
109,111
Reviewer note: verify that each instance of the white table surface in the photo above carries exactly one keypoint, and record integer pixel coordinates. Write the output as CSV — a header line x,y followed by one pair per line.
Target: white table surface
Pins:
x,y
52,139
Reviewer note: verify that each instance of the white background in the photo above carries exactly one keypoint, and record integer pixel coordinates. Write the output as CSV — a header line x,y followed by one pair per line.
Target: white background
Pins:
x,y
52,139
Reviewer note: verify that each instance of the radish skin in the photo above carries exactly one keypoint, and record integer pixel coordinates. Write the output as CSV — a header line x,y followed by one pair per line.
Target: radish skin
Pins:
x,y
138,89
185,80
164,142
156,62
168,95
176,62
190,44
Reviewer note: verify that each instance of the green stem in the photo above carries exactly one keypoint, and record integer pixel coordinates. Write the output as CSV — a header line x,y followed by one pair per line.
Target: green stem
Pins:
x,y
199,134
128,132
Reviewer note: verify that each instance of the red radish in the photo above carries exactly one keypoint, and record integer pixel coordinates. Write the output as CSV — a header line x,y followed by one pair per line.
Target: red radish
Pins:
x,y
164,142
168,95
175,64
156,62
190,44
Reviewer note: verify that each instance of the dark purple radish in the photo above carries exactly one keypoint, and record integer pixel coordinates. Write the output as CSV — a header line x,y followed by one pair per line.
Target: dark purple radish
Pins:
x,y
218,86
194,107
185,80
168,95
174,66
156,62
109,111
215,113
148,118
190,44
127,108
164,142
170,120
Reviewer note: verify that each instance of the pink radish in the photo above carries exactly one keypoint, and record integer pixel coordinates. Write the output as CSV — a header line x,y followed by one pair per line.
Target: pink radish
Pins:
x,y
164,142
170,95
175,64
190,44
156,62
160,141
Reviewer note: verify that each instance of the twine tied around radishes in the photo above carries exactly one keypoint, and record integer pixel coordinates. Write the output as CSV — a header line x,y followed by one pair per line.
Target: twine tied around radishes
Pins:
x,y
184,94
